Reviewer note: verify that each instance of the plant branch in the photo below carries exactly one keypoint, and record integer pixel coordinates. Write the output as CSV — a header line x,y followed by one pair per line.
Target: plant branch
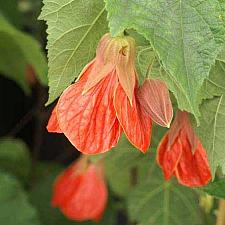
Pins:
x,y
22,123
40,121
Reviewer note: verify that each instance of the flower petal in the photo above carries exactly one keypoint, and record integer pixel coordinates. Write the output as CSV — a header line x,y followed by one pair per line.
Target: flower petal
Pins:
x,y
136,124
127,78
168,155
97,73
193,169
101,68
89,120
53,125
155,99
66,184
90,198
126,67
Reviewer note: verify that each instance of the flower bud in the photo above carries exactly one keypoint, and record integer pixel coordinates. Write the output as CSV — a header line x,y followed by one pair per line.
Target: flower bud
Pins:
x,y
155,99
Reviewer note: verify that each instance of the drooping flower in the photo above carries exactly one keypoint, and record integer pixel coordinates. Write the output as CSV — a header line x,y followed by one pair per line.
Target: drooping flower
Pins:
x,y
155,99
103,102
80,191
181,153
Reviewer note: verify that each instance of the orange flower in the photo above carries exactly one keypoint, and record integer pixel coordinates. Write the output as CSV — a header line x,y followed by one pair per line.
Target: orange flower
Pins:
x,y
155,99
181,153
93,112
80,191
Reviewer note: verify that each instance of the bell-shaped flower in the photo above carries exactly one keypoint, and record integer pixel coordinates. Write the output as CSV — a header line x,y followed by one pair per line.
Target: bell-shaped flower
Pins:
x,y
181,153
155,99
80,191
103,102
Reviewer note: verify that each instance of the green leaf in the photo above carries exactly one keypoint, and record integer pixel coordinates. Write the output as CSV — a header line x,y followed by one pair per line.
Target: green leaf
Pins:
x,y
125,166
41,194
212,131
216,188
74,29
148,65
15,157
186,35
157,202
145,62
157,134
9,9
139,39
110,215
221,55
14,206
17,51
215,84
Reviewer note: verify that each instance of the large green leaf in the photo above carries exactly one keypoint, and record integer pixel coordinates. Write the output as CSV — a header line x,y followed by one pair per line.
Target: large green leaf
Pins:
x,y
157,202
216,188
125,166
221,55
212,131
9,9
17,51
186,35
215,84
145,63
148,66
14,157
74,29
14,206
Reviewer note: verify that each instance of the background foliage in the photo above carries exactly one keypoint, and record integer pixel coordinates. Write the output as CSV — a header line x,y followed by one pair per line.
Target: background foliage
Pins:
x,y
180,42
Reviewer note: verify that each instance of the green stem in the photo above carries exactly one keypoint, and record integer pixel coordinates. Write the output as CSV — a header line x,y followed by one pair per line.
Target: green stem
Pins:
x,y
149,70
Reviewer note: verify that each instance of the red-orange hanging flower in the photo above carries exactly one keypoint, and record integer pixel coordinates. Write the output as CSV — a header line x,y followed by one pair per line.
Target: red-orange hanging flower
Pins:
x,y
80,191
181,153
155,99
93,112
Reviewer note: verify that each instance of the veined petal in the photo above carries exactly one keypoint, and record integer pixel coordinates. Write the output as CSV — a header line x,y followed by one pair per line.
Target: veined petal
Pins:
x,y
97,73
155,99
135,123
53,125
168,155
101,67
193,169
89,120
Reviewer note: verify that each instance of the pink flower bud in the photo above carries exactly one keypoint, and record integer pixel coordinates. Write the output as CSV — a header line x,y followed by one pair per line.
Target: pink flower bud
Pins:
x,y
155,99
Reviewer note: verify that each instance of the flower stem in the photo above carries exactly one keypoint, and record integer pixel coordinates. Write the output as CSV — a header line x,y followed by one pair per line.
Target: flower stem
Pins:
x,y
221,213
149,70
